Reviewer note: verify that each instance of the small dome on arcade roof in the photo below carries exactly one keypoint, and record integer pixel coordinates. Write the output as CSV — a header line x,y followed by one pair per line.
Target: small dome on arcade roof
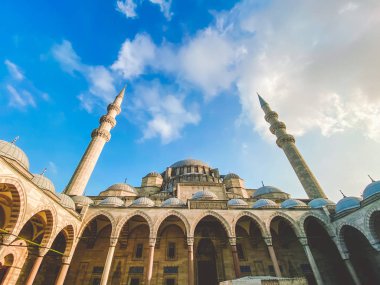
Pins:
x,y
231,176
10,150
142,202
66,201
82,200
264,203
173,202
43,182
237,203
319,203
204,195
371,189
347,203
292,203
112,202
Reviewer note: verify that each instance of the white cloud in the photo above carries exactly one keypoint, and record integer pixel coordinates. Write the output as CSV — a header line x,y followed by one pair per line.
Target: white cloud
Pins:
x,y
52,167
162,111
164,7
14,70
67,57
127,7
20,99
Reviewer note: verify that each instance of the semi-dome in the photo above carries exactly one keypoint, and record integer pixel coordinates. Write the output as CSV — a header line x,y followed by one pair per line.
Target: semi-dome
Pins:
x,y
231,176
371,189
82,201
292,203
347,203
122,187
319,203
66,201
112,202
237,203
11,151
173,202
189,162
264,203
204,195
142,202
266,190
43,182
153,174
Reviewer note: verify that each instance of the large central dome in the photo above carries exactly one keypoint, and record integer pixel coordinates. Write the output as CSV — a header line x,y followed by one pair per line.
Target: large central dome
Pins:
x,y
189,162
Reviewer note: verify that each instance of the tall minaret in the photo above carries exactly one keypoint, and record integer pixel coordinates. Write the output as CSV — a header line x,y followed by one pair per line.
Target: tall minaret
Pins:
x,y
99,136
287,143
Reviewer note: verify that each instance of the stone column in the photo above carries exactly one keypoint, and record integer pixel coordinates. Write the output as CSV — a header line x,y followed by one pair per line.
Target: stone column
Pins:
x,y
107,265
190,260
310,257
63,271
235,256
36,266
149,272
272,254
350,268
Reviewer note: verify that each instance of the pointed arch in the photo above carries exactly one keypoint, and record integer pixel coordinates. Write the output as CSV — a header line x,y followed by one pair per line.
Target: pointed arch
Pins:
x,y
321,219
93,216
219,217
339,230
158,223
297,230
125,220
369,226
256,219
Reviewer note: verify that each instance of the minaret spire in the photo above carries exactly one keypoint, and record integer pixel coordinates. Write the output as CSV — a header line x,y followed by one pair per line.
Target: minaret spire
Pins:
x,y
287,143
99,137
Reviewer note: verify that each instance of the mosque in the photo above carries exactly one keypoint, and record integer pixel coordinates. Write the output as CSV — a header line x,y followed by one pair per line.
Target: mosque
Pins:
x,y
186,224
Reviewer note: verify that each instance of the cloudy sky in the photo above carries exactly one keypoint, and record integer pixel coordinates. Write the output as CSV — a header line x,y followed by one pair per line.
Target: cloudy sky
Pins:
x,y
192,70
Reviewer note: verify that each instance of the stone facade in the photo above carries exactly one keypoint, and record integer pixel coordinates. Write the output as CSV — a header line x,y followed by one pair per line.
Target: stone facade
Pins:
x,y
188,224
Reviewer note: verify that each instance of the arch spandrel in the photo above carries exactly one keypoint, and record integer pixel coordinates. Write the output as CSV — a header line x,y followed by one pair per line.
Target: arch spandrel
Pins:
x,y
93,216
259,222
323,220
182,217
125,220
294,225
220,218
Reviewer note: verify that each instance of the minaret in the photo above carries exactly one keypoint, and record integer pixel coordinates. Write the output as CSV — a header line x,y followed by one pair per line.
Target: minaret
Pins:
x,y
99,136
287,143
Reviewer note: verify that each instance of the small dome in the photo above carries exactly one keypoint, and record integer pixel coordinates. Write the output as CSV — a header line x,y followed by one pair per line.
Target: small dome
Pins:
x,y
153,174
292,203
10,150
43,182
111,202
231,176
122,187
347,203
66,201
142,202
237,203
266,190
189,162
173,202
371,189
319,203
82,201
264,203
204,195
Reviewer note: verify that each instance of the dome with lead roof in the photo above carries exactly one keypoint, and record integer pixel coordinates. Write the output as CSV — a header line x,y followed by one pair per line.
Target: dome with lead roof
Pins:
x,y
292,203
112,202
142,202
371,189
266,190
66,201
43,182
347,203
264,203
82,201
231,176
237,203
320,202
119,189
189,162
204,195
173,202
11,151
153,174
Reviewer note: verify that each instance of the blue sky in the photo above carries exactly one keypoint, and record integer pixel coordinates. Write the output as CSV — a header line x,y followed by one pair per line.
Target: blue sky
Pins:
x,y
192,69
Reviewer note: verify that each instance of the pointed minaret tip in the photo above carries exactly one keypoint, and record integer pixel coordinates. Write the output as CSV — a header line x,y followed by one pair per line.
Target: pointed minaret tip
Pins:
x,y
119,98
261,100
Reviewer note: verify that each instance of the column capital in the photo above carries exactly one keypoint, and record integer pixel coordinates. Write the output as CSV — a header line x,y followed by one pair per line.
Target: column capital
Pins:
x,y
232,241
152,241
66,259
268,241
190,240
303,241
113,241
42,251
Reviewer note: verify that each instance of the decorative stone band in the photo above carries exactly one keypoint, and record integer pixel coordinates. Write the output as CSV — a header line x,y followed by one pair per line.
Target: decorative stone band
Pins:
x,y
103,134
270,115
108,119
232,240
152,241
113,241
285,139
112,106
303,241
268,241
276,126
190,240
